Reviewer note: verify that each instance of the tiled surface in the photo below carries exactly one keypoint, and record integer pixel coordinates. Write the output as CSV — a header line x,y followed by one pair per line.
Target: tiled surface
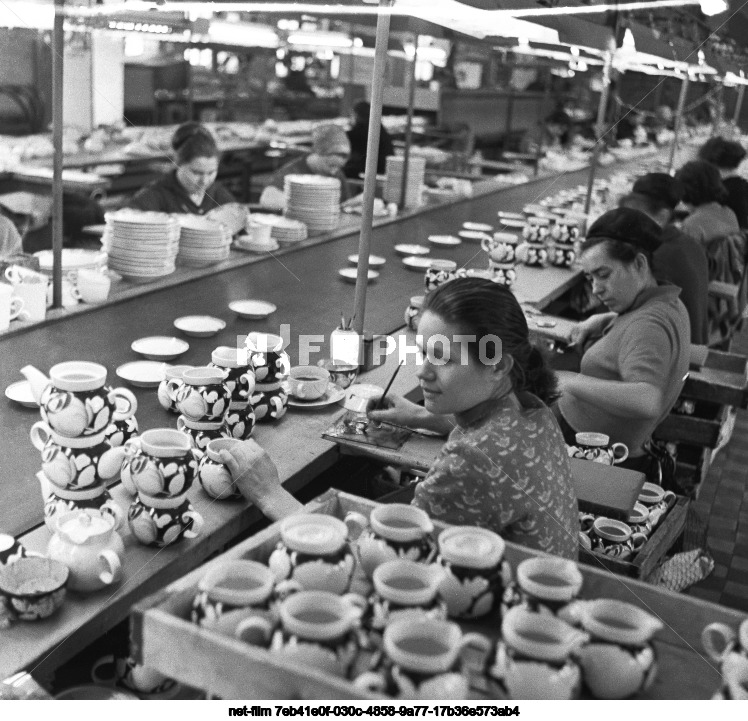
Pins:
x,y
723,498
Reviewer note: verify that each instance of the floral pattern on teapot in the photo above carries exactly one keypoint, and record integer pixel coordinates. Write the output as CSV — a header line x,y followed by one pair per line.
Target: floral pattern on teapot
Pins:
x,y
269,402
160,527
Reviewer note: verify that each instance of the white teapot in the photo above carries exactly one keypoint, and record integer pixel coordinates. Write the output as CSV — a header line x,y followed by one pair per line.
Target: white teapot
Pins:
x,y
88,545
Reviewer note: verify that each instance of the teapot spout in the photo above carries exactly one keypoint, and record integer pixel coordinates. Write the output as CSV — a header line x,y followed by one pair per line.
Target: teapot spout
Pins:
x,y
37,380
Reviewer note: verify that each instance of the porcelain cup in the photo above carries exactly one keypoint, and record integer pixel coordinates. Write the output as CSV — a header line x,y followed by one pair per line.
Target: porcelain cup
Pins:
x,y
240,378
93,286
440,271
392,531
501,248
11,307
163,521
70,294
201,433
213,475
545,584
597,447
615,538
203,395
314,553
34,297
423,660
269,402
341,374
259,233
167,391
267,358
308,383
475,572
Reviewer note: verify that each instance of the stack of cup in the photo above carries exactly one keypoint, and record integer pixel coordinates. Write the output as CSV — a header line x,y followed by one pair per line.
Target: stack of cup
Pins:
x,y
564,235
240,419
502,251
80,413
271,366
159,468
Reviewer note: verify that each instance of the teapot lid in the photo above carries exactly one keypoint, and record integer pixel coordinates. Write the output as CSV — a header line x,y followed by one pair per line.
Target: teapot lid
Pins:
x,y
84,526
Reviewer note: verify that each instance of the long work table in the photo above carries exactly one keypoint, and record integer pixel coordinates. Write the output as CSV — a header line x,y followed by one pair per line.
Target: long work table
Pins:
x,y
309,294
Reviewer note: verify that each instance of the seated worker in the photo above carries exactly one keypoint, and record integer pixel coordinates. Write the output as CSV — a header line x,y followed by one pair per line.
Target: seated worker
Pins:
x,y
330,151
10,239
191,187
631,377
727,155
504,466
554,133
358,136
705,196
680,259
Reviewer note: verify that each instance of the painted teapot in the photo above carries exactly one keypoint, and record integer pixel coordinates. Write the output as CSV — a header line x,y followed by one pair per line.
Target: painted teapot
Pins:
x,y
86,542
75,400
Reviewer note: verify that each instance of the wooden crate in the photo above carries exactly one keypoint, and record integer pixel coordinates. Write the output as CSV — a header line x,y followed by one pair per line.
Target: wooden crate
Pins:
x,y
651,553
717,377
163,637
704,427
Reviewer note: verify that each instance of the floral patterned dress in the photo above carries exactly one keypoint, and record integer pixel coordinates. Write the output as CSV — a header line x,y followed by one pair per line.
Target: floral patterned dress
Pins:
x,y
505,468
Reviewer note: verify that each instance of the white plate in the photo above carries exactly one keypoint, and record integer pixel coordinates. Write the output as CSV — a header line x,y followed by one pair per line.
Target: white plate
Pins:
x,y
482,227
505,215
512,223
160,347
252,309
473,235
405,249
444,240
417,263
199,326
334,394
20,392
375,261
143,374
349,274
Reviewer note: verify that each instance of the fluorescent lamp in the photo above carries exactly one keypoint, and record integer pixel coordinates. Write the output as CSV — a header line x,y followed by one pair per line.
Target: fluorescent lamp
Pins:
x,y
321,39
713,7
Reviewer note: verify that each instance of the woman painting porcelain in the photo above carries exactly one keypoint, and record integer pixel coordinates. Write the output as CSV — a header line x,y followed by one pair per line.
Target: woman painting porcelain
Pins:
x,y
191,187
504,466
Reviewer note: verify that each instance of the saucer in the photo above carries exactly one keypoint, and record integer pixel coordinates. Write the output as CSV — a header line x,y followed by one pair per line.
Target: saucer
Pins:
x,y
473,234
349,274
375,261
160,348
417,263
444,240
478,227
333,394
20,392
199,326
252,309
406,249
143,374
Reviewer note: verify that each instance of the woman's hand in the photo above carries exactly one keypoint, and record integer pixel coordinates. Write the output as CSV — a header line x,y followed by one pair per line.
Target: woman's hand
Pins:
x,y
402,412
256,477
590,328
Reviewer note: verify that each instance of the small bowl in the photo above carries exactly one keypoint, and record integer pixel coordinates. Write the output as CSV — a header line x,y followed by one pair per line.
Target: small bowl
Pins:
x,y
160,348
252,309
34,587
199,326
411,249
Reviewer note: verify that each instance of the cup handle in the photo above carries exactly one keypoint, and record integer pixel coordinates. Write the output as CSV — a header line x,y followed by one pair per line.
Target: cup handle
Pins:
x,y
619,458
725,633
638,540
477,641
172,386
356,523
113,572
96,677
370,681
249,629
16,307
114,509
132,447
40,433
197,523
131,401
10,275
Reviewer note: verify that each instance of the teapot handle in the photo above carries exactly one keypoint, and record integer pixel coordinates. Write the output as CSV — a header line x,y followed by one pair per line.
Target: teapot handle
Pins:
x,y
113,572
172,386
725,633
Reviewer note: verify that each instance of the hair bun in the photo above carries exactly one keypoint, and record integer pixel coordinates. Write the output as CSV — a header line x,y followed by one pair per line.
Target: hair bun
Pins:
x,y
186,131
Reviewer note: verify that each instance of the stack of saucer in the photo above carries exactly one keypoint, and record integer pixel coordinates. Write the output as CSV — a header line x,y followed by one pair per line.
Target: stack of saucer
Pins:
x,y
142,246
285,231
414,182
202,242
314,200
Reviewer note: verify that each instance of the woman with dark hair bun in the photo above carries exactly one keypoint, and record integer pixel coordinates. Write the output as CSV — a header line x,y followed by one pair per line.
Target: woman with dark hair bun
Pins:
x,y
191,187
727,155
705,195
504,466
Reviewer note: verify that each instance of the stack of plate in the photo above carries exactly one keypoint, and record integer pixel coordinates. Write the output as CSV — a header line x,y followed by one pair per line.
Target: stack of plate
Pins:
x,y
314,200
286,231
202,242
414,182
142,246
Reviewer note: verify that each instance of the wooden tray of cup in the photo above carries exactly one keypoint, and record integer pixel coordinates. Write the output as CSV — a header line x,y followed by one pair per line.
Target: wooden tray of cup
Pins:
x,y
668,531
163,637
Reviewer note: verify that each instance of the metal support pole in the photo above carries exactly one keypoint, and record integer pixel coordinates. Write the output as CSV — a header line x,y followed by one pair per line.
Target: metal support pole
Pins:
x,y
599,128
738,104
678,122
58,49
543,111
409,124
372,153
